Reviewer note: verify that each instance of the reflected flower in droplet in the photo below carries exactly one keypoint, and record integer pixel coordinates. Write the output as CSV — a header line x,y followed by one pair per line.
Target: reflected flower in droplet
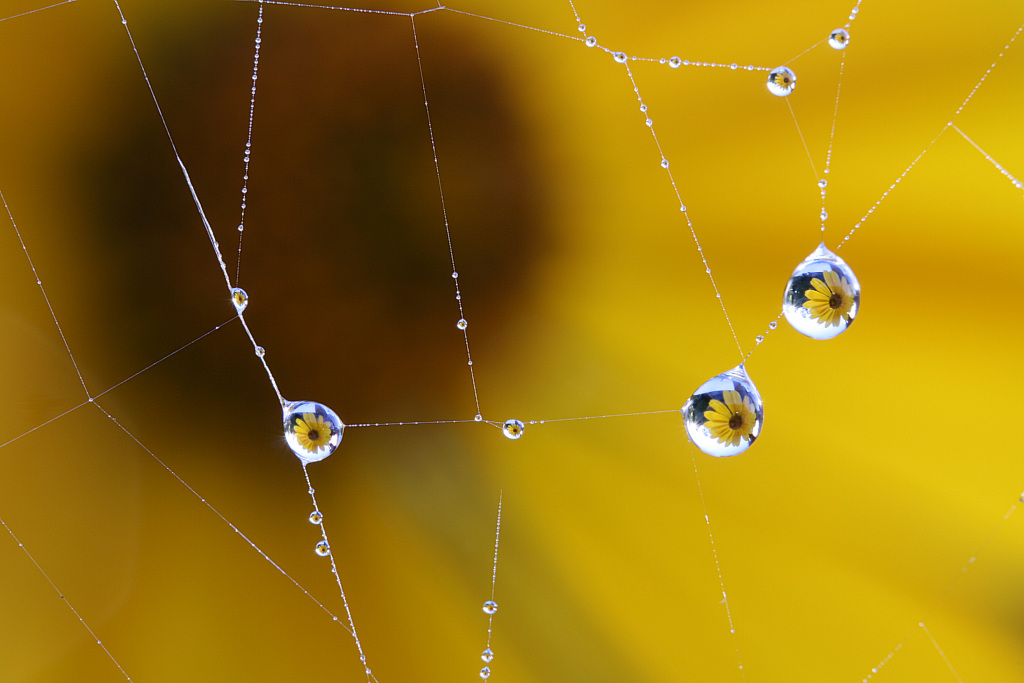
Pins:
x,y
312,430
822,297
725,414
730,419
830,301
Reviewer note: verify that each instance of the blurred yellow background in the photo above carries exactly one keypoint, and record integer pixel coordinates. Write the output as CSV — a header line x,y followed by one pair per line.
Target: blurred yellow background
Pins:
x,y
888,457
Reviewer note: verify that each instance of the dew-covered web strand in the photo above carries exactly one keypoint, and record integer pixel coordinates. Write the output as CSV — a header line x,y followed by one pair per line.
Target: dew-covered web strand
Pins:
x,y
491,606
444,215
942,654
988,157
224,519
666,165
64,598
803,141
946,127
248,138
38,9
42,290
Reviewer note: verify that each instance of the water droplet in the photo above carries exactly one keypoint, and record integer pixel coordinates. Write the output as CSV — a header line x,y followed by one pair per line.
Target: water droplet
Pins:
x,y
322,549
239,298
675,62
759,338
478,418
487,656
823,296
619,57
512,429
490,607
772,325
462,324
664,163
725,414
781,81
643,108
734,66
823,183
312,430
839,39
315,517
649,123
591,41
485,672
582,28
260,351
824,215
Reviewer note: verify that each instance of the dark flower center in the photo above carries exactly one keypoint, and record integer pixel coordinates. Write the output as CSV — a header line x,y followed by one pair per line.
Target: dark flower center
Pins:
x,y
835,301
736,421
313,435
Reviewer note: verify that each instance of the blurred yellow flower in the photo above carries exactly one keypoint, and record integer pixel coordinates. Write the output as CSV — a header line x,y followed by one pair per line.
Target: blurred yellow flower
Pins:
x,y
731,420
831,300
312,432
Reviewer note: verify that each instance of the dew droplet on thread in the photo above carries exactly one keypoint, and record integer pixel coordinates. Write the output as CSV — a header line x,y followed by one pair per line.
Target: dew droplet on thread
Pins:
x,y
312,430
675,62
619,57
781,81
591,41
322,549
315,517
487,655
823,183
822,297
725,414
260,351
839,39
239,298
664,163
462,324
513,429
824,215
490,607
485,672
772,325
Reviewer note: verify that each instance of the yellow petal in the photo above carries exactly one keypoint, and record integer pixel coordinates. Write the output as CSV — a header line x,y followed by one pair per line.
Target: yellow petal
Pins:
x,y
731,398
720,408
832,280
821,287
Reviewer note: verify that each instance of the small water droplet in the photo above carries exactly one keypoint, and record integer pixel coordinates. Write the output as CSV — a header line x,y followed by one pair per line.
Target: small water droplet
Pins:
x,y
781,81
485,672
822,296
490,607
675,62
823,183
734,66
315,517
591,41
312,430
322,549
839,39
643,108
513,429
772,325
619,57
478,418
239,298
487,656
260,351
824,215
582,28
462,324
649,123
759,338
455,274
724,415
664,163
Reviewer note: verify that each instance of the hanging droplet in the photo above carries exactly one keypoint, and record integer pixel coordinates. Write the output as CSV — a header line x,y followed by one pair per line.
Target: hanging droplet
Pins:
x,y
772,325
823,296
823,183
759,338
315,517
513,429
781,81
487,656
591,41
664,163
490,607
724,416
478,418
582,28
462,324
824,215
619,57
322,549
839,39
260,351
675,62
312,430
239,298
485,672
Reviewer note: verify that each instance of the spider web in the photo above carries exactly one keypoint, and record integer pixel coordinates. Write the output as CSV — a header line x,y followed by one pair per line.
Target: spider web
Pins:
x,y
872,524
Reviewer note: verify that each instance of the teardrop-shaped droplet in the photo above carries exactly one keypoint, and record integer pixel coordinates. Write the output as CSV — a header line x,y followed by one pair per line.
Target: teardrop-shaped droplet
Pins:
x,y
724,416
487,655
619,57
839,39
513,429
490,607
823,296
322,549
239,298
781,81
315,517
312,430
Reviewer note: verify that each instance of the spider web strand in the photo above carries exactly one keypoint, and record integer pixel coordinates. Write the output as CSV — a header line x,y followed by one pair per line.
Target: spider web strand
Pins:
x,y
939,650
38,9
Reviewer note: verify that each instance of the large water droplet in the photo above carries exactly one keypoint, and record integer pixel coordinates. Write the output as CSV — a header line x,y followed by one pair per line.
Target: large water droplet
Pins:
x,y
619,57
315,517
312,430
781,81
513,429
322,549
839,39
675,62
823,296
591,41
239,298
490,607
487,655
724,416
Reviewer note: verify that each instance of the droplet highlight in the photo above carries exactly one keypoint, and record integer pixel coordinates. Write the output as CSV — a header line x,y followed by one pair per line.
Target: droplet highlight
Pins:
x,y
490,607
513,429
322,549
724,415
239,298
781,81
822,296
312,430
839,39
